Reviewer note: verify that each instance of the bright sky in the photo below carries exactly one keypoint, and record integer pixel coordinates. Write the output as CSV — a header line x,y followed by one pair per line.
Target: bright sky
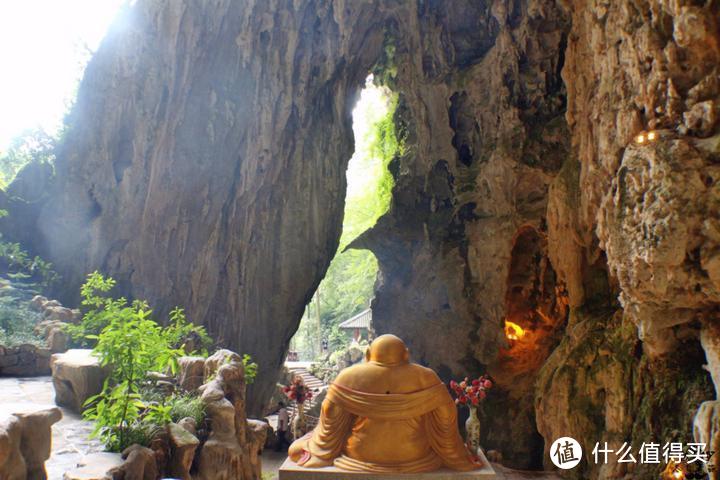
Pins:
x,y
43,51
372,106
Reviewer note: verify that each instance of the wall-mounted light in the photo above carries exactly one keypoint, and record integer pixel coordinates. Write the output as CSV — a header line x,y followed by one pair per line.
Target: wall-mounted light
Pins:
x,y
643,137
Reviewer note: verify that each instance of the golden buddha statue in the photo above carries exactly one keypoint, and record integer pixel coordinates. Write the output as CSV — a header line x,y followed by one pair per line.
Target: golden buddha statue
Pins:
x,y
386,415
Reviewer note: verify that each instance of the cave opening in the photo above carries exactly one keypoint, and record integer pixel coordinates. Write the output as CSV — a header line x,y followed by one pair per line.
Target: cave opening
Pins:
x,y
338,316
536,310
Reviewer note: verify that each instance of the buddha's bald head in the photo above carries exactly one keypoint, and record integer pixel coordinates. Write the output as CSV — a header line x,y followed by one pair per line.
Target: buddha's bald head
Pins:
x,y
388,350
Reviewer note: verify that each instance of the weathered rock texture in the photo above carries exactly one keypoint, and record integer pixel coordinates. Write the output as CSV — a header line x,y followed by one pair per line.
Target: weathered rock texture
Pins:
x,y
233,447
482,116
204,166
25,440
77,376
649,208
205,160
29,360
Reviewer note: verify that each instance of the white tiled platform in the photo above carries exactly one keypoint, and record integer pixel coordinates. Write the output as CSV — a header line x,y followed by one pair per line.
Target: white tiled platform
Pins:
x,y
290,471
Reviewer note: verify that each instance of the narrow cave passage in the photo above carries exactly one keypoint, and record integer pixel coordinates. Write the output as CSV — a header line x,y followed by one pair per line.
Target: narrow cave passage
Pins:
x,y
347,288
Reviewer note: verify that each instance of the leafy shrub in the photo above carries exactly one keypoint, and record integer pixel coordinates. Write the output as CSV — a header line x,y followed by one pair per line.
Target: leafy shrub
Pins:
x,y
130,342
179,331
17,326
250,369
19,265
100,308
182,406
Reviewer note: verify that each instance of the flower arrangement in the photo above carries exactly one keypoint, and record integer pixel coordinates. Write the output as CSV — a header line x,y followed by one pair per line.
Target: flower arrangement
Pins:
x,y
298,391
469,392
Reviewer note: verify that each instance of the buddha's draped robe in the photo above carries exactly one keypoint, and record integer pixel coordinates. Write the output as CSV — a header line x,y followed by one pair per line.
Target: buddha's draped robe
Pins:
x,y
401,432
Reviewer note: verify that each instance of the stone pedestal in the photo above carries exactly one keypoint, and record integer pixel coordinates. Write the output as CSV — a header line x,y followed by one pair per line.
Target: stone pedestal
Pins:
x,y
25,440
290,471
77,376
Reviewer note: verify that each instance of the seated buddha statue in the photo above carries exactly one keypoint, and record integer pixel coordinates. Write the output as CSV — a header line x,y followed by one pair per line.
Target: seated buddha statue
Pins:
x,y
386,415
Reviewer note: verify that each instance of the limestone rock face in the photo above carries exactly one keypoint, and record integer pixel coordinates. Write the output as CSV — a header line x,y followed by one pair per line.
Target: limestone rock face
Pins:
x,y
206,184
25,440
77,376
662,236
706,428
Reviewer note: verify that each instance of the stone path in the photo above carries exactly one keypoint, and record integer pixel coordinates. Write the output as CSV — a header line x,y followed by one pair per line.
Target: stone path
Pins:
x,y
70,435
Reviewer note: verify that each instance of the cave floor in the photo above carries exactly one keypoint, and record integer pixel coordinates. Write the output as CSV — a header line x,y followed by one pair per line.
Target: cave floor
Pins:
x,y
71,442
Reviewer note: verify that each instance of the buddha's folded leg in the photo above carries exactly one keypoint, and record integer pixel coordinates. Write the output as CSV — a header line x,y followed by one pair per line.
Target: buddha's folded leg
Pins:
x,y
445,440
327,440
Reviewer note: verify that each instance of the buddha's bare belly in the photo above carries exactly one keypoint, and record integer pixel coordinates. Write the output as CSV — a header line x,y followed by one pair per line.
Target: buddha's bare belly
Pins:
x,y
388,442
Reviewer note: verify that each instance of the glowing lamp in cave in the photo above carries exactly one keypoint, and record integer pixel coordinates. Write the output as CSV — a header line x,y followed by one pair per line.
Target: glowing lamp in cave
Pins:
x,y
513,331
646,137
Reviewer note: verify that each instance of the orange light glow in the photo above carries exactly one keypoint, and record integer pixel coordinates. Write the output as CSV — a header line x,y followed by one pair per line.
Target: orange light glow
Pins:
x,y
513,331
640,139
651,136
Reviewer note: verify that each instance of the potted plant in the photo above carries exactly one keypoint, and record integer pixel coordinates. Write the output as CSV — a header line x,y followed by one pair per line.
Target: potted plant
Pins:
x,y
299,393
471,393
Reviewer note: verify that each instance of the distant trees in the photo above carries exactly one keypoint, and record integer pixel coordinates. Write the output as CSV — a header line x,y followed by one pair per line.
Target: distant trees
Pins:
x,y
35,145
349,282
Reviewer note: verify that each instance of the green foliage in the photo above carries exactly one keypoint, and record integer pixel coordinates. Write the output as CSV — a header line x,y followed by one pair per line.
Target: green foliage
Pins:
x,y
182,406
20,265
101,308
31,146
17,326
349,282
131,344
180,330
250,369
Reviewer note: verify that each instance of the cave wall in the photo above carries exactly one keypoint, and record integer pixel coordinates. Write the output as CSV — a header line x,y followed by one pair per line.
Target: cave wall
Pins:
x,y
204,166
644,210
481,113
497,143
193,170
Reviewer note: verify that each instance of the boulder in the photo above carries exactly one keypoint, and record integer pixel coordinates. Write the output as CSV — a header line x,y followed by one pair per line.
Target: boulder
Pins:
x,y
57,339
218,359
25,440
37,303
182,451
139,464
189,424
191,374
77,376
61,314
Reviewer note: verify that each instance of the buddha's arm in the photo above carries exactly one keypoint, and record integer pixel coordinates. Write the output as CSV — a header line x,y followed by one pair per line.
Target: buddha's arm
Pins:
x,y
445,439
327,440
